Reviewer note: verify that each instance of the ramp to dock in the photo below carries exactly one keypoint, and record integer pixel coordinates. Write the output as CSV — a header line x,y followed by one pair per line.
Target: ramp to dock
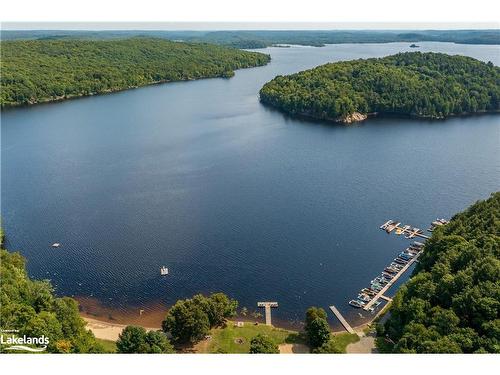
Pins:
x,y
339,316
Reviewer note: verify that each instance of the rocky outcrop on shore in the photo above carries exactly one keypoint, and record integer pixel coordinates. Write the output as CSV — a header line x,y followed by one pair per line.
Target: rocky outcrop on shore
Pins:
x,y
353,117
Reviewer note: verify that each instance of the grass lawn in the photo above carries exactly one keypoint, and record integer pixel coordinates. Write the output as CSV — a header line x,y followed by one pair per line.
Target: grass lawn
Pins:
x,y
341,341
233,339
109,346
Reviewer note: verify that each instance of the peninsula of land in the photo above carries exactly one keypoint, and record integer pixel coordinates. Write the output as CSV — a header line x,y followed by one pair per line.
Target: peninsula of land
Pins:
x,y
36,71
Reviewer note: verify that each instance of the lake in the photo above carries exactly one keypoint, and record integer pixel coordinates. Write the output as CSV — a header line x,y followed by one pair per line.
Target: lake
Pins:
x,y
230,195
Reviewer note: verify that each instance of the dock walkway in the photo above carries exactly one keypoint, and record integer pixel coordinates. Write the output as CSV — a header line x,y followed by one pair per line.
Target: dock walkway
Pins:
x,y
339,316
267,307
391,282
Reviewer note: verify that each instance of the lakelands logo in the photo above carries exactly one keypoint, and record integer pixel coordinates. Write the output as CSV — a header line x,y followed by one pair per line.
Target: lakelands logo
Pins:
x,y
16,342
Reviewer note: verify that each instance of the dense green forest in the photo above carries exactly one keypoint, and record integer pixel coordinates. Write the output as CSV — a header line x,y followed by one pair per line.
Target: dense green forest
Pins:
x,y
452,302
266,38
43,70
418,84
31,308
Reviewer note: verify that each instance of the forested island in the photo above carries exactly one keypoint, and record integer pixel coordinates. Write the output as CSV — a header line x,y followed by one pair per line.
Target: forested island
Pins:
x,y
425,85
452,302
35,71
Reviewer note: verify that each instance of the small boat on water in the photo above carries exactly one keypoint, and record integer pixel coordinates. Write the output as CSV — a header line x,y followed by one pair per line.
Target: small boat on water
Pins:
x,y
56,244
400,261
386,276
377,287
163,271
356,303
391,270
405,256
379,280
364,297
368,291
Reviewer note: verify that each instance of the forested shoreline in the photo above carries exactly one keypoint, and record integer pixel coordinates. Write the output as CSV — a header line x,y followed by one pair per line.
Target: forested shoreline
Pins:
x,y
452,302
266,38
30,308
36,71
415,84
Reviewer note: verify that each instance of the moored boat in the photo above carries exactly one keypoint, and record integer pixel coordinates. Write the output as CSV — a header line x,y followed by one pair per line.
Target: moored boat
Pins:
x,y
368,291
400,261
356,303
363,297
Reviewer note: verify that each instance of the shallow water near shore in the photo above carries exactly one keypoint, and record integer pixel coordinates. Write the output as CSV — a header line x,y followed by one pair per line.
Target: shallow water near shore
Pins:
x,y
231,195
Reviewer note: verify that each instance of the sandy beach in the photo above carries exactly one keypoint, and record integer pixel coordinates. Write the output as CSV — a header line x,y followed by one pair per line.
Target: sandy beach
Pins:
x,y
108,331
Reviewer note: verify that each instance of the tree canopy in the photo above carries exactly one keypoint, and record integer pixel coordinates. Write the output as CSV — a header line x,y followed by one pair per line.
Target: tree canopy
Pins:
x,y
262,344
452,302
316,327
134,339
30,307
43,70
416,84
189,320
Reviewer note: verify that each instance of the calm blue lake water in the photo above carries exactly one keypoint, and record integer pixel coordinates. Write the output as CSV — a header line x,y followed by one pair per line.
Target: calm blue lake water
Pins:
x,y
230,195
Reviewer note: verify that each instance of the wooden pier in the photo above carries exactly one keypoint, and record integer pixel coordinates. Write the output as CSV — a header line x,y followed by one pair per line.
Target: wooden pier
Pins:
x,y
339,316
391,282
267,306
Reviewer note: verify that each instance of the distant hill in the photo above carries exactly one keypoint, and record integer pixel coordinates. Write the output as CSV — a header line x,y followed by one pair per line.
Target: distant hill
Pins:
x,y
265,38
427,85
36,71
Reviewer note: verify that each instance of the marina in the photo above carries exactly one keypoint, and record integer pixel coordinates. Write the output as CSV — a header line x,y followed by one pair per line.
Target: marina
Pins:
x,y
380,294
369,298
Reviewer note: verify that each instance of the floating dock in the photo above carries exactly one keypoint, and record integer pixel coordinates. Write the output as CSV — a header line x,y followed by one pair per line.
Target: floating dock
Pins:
x,y
382,291
267,306
339,316
408,231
